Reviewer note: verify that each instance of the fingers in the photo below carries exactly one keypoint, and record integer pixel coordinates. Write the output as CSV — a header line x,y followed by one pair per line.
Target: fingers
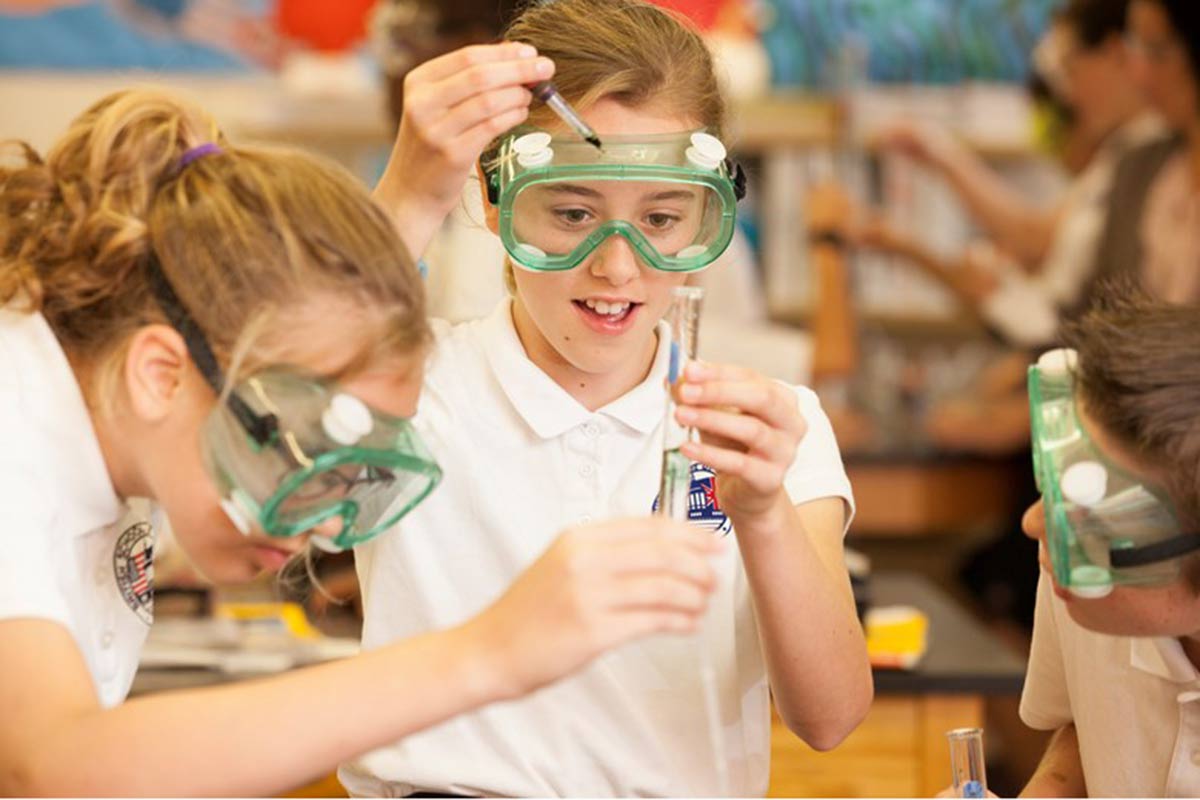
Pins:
x,y
684,560
632,625
488,78
767,400
464,58
659,593
762,475
481,108
734,430
650,528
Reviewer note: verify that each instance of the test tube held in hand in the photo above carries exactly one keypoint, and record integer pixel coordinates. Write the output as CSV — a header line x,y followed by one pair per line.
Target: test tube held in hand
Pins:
x,y
966,762
683,317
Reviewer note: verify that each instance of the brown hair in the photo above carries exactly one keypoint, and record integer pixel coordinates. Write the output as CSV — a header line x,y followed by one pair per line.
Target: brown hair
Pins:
x,y
245,236
1139,374
627,50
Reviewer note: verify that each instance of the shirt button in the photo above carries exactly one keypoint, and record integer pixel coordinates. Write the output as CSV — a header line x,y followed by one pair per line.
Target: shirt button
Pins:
x,y
591,429
106,640
586,470
585,519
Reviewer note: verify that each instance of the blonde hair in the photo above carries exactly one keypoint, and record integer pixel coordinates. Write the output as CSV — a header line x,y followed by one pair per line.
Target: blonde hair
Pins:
x,y
629,51
244,236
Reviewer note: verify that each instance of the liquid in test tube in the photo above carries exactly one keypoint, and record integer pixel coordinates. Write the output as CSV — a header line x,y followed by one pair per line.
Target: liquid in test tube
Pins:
x,y
966,762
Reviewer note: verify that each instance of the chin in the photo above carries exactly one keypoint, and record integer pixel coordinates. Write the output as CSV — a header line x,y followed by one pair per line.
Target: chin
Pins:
x,y
1133,612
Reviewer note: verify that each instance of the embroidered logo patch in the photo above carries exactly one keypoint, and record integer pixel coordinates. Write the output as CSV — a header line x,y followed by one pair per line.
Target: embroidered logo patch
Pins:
x,y
703,508
133,564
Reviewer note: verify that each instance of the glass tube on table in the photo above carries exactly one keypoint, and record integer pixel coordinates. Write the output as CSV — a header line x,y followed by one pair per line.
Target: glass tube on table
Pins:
x,y
967,770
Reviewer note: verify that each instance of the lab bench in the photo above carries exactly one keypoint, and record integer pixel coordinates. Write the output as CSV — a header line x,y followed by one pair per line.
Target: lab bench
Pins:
x,y
900,749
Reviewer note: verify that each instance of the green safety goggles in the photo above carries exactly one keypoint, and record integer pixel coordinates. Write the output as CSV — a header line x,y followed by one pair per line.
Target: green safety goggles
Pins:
x,y
289,451
295,451
1104,526
673,198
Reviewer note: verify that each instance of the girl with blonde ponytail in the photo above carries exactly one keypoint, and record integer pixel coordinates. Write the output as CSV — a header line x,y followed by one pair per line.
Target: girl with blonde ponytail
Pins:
x,y
238,335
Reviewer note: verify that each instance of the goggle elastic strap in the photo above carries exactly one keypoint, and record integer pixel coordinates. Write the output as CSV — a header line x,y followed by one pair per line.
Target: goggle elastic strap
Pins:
x,y
1166,550
262,428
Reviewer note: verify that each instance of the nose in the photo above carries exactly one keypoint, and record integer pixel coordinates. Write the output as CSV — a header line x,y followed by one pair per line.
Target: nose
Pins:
x,y
615,261
328,528
1034,521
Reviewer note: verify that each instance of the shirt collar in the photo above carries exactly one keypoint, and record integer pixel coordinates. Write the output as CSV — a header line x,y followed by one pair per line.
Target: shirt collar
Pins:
x,y
1163,657
50,398
546,407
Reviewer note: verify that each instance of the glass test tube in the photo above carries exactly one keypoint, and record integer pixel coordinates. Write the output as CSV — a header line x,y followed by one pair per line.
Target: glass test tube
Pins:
x,y
966,762
683,316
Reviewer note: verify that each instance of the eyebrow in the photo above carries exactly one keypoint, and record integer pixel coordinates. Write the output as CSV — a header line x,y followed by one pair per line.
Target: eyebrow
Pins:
x,y
583,191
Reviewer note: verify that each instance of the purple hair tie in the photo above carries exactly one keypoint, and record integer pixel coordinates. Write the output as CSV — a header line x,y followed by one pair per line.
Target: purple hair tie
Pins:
x,y
199,151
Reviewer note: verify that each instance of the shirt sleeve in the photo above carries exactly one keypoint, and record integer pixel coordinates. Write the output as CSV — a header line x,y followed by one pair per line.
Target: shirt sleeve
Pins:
x,y
817,470
28,583
1045,701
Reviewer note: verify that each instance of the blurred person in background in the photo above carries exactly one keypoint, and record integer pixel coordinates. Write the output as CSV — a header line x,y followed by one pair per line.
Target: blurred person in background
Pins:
x,y
1039,263
1164,36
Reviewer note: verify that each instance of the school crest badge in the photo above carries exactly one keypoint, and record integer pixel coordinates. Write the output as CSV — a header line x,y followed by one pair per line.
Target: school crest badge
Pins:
x,y
133,564
704,510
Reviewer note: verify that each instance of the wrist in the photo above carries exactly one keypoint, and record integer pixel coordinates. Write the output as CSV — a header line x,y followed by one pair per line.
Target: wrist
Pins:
x,y
416,218
487,674
764,518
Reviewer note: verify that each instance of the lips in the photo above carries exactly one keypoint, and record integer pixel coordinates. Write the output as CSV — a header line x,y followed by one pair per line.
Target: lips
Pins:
x,y
607,316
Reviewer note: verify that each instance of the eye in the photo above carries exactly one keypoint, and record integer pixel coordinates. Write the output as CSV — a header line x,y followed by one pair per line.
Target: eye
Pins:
x,y
573,216
661,221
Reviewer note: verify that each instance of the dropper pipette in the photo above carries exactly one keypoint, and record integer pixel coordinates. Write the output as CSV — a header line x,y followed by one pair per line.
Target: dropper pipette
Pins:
x,y
548,94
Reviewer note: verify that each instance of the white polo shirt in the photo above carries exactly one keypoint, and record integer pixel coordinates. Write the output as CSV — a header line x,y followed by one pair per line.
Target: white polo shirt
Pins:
x,y
1135,703
72,553
523,460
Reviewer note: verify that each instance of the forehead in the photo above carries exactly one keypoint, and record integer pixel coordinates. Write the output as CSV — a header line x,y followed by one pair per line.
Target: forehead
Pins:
x,y
615,190
332,337
607,117
1121,454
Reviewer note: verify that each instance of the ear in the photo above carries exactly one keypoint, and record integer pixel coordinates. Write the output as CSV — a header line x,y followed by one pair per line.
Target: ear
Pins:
x,y
491,213
155,367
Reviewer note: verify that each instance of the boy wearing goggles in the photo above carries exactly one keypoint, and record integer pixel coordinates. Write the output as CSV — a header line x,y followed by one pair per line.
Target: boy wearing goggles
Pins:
x,y
1113,667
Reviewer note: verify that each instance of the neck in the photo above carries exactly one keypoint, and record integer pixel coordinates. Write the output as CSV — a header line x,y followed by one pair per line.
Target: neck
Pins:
x,y
1119,114
1191,648
592,390
118,448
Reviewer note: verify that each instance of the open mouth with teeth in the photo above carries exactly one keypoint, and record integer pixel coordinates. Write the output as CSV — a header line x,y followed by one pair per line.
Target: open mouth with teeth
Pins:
x,y
608,315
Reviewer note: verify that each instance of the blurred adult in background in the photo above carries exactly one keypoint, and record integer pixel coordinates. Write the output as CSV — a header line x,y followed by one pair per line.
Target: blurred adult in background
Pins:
x,y
1039,263
1165,38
